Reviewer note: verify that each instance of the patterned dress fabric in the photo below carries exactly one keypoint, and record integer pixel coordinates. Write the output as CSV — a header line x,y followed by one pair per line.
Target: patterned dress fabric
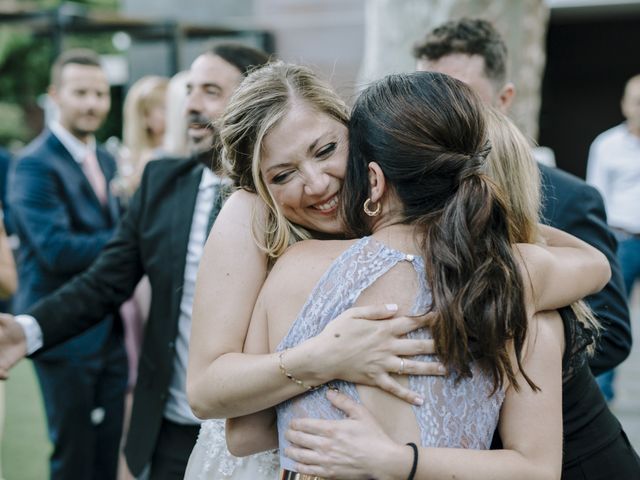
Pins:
x,y
457,412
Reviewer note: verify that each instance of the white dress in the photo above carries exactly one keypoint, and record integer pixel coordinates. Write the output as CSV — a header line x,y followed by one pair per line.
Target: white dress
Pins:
x,y
210,459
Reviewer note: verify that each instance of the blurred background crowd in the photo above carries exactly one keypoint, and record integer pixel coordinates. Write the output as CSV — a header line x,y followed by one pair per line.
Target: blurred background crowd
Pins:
x,y
570,60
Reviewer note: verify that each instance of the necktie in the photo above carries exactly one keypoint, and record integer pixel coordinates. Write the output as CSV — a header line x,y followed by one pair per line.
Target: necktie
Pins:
x,y
94,174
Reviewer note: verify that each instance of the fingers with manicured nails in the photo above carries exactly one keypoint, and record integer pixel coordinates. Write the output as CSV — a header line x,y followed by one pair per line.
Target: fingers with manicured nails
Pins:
x,y
302,455
408,347
305,440
418,367
427,320
312,425
405,324
345,403
388,384
374,312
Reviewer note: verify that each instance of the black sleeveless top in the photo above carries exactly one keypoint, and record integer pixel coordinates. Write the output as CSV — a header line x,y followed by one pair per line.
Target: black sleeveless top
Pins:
x,y
588,424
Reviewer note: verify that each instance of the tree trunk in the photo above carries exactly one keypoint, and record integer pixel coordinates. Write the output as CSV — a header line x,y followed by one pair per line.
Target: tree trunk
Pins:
x,y
393,26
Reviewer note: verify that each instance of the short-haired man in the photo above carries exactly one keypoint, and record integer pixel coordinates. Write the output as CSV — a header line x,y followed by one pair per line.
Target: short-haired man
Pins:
x,y
161,235
614,169
64,214
474,52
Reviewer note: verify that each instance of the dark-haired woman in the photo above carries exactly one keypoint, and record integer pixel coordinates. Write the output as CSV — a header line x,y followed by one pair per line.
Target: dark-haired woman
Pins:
x,y
594,444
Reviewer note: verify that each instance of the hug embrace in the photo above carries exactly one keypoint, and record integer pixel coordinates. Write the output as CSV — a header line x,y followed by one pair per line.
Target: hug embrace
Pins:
x,y
426,201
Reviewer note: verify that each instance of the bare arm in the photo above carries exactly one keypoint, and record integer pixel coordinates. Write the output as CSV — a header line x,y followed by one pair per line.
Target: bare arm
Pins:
x,y
256,432
563,271
222,382
530,426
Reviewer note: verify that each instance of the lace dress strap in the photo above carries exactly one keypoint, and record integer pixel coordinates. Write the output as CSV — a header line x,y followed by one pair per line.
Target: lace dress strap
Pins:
x,y
349,275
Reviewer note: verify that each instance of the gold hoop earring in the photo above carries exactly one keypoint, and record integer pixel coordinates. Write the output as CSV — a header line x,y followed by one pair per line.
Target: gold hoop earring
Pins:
x,y
367,208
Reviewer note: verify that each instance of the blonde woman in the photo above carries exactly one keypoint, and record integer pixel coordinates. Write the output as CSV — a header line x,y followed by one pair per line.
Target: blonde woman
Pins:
x,y
143,129
174,143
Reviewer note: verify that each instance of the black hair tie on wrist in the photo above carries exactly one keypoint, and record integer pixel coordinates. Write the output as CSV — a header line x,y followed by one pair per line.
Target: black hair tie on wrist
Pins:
x,y
414,467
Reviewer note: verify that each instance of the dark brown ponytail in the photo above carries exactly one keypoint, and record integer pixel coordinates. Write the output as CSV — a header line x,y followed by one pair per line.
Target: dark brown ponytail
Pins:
x,y
476,286
427,133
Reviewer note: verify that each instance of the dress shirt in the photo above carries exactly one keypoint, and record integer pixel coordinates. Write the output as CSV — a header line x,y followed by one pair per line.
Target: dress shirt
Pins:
x,y
75,147
614,169
177,408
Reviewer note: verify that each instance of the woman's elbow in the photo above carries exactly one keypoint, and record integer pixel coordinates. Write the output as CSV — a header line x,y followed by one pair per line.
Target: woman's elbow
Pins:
x,y
200,405
549,473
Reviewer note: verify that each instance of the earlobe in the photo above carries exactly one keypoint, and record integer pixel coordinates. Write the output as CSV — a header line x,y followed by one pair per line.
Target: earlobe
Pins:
x,y
506,96
377,182
52,92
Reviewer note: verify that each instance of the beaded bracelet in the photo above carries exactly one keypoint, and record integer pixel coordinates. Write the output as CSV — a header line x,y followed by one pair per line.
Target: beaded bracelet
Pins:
x,y
414,467
284,371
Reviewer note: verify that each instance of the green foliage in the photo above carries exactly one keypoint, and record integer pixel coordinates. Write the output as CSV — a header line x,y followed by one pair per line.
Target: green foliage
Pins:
x,y
13,127
24,65
25,60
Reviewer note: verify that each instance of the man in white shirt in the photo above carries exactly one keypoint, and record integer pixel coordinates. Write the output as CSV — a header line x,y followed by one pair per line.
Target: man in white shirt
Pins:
x,y
64,214
614,169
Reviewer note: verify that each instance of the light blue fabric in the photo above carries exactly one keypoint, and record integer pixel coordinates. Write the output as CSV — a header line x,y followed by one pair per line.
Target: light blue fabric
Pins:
x,y
459,413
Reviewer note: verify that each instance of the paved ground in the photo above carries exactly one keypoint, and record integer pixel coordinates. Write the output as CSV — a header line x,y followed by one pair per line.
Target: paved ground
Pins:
x,y
627,402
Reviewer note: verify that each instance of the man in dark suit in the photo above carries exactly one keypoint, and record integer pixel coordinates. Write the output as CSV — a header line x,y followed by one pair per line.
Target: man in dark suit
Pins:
x,y
64,215
472,51
161,235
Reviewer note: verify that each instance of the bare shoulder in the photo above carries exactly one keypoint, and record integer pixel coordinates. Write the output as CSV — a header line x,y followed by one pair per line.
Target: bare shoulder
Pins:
x,y
304,262
242,200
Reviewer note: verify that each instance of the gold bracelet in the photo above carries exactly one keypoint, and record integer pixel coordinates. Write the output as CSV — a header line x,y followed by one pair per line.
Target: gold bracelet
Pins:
x,y
283,369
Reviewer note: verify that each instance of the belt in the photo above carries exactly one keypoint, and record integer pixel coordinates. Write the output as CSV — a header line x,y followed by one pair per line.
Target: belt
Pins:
x,y
289,475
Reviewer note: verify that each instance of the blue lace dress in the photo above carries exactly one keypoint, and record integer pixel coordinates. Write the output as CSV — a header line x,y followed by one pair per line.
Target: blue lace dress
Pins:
x,y
462,414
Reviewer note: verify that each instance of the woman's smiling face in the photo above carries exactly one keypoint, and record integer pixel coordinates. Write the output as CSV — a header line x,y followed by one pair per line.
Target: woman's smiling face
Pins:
x,y
304,158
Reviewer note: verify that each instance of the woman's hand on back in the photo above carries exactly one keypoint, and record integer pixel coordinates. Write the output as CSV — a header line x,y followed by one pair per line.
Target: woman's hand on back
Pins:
x,y
336,449
366,345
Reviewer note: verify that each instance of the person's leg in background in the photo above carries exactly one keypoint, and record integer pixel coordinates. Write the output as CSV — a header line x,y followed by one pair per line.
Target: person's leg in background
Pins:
x,y
110,398
68,392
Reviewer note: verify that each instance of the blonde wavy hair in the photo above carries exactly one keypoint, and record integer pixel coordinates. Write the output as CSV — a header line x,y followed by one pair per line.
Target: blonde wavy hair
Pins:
x,y
257,105
514,170
145,94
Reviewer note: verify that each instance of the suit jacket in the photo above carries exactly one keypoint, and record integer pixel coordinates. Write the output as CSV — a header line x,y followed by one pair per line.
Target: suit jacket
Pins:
x,y
62,228
577,208
151,239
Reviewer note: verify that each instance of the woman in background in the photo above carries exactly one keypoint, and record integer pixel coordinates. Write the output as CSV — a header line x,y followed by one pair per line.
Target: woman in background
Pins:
x,y
174,143
143,129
